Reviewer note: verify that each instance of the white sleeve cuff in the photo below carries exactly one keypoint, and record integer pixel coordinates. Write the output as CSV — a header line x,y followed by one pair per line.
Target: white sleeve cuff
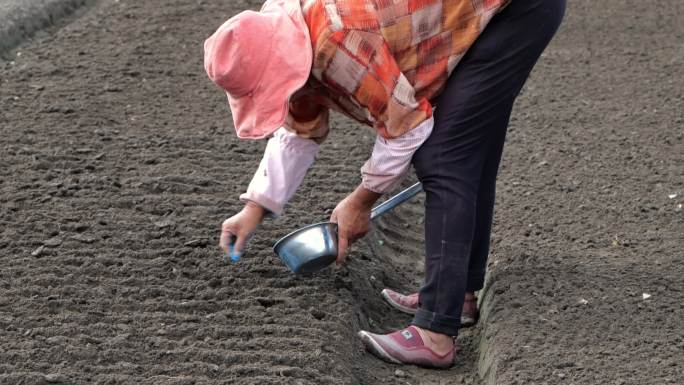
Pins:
x,y
282,169
391,158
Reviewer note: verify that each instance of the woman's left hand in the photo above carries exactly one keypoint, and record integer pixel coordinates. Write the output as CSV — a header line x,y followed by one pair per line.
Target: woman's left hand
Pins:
x,y
352,216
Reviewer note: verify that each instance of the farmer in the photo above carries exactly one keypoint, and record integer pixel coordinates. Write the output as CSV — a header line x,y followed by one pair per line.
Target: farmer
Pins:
x,y
435,79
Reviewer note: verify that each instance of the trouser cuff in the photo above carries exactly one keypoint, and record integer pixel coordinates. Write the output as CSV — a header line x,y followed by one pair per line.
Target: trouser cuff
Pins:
x,y
436,322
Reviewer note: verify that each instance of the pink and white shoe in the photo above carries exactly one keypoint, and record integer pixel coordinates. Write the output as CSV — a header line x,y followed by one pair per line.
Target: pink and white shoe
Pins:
x,y
406,347
470,314
405,303
409,304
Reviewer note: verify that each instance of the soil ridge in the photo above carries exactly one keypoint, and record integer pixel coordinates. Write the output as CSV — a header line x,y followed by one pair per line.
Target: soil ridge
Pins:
x,y
21,19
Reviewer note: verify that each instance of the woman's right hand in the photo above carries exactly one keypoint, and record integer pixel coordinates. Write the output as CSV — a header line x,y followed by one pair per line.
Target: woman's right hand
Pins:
x,y
238,228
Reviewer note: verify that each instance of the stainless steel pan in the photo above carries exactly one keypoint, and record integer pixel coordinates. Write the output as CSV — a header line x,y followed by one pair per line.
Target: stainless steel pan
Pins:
x,y
314,247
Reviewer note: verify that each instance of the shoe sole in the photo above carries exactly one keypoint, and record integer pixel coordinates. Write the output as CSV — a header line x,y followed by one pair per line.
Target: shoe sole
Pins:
x,y
375,348
395,305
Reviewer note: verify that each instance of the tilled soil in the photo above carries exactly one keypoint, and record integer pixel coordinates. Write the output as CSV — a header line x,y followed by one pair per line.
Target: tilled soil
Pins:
x,y
587,285
119,163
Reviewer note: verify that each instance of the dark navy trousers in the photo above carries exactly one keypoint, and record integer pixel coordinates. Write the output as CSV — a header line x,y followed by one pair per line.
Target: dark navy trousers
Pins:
x,y
458,164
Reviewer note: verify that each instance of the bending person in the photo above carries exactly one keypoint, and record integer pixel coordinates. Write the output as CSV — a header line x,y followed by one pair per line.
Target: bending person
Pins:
x,y
387,65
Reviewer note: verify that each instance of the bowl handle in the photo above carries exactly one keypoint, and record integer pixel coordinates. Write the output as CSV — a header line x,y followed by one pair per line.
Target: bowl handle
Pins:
x,y
396,200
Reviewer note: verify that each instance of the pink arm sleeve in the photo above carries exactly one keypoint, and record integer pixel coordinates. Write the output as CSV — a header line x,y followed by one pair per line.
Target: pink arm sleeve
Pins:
x,y
282,169
391,158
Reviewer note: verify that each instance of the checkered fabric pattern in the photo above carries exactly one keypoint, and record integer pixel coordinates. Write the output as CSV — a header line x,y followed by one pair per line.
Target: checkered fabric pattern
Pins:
x,y
381,61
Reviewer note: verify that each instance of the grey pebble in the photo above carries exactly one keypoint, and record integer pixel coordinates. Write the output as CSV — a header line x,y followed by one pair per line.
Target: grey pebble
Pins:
x,y
55,378
37,252
400,373
196,243
53,242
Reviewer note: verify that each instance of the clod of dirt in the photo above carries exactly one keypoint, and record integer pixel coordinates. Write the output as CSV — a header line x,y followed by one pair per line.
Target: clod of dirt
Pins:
x,y
84,238
78,227
268,302
54,305
165,223
317,314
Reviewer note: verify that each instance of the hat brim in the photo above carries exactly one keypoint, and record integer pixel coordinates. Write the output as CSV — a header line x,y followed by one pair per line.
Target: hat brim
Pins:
x,y
260,113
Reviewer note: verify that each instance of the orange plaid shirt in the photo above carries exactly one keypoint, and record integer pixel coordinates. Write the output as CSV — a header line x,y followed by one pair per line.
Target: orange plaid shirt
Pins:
x,y
380,62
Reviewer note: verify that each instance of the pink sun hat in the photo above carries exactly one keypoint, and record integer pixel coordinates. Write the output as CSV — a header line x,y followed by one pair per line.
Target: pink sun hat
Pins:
x,y
260,59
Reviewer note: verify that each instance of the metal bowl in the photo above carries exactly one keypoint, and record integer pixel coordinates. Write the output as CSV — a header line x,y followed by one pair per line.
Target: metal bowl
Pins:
x,y
309,249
